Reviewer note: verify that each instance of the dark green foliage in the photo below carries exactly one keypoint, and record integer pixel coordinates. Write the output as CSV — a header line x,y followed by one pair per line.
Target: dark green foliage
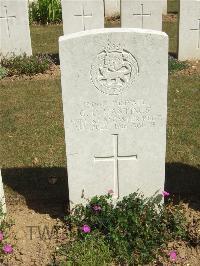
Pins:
x,y
45,11
175,65
135,228
27,65
3,72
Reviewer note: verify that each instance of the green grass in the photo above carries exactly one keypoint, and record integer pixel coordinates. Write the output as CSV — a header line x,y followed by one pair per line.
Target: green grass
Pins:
x,y
183,120
172,6
32,123
45,38
171,28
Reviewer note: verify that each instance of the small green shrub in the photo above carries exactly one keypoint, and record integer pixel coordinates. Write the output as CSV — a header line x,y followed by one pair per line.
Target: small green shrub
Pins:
x,y
90,251
135,229
175,65
3,72
27,65
45,11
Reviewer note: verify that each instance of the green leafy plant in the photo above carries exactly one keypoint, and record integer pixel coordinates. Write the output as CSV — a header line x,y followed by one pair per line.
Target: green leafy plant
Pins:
x,y
175,65
3,72
28,65
45,11
135,229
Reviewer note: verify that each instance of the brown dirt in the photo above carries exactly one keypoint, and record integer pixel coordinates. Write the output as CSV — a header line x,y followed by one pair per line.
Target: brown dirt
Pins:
x,y
35,204
170,18
192,69
38,249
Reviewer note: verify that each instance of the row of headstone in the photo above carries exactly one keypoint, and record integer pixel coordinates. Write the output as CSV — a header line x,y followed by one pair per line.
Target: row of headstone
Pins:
x,y
83,15
112,7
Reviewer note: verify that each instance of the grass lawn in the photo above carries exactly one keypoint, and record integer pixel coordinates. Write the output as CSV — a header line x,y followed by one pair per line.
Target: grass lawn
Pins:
x,y
172,6
45,38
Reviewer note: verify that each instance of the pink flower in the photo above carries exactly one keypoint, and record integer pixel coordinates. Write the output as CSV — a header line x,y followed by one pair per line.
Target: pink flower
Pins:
x,y
1,236
96,208
7,249
165,194
86,229
173,255
110,192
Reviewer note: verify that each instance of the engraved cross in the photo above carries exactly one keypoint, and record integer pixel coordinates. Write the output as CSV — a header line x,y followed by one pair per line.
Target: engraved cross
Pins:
x,y
142,15
115,158
7,18
83,15
198,31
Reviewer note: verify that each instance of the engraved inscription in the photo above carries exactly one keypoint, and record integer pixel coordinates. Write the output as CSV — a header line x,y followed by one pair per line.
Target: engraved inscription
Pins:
x,y
7,18
115,158
198,32
83,15
113,70
115,115
142,15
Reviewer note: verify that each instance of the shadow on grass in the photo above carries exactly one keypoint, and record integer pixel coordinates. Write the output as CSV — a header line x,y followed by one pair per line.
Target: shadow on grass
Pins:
x,y
33,186
55,58
183,181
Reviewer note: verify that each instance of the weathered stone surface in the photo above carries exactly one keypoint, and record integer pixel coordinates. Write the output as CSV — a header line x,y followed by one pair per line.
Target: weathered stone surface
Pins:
x,y
114,91
164,6
81,15
189,30
14,28
2,197
112,8
145,14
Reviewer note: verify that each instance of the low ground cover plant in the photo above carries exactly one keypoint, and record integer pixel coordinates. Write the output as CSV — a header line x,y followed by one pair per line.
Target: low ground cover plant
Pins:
x,y
45,11
24,65
5,247
131,231
175,65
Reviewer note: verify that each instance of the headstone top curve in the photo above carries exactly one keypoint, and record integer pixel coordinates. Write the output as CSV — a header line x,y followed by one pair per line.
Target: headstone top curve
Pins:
x,y
112,30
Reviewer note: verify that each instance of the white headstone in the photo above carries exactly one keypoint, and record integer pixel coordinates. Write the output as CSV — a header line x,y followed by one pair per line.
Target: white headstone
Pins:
x,y
145,14
189,30
112,8
2,197
164,6
114,92
14,28
81,15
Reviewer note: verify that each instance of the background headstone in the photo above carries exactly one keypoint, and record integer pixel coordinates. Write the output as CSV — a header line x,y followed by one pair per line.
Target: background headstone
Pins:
x,y
164,7
145,14
189,30
114,92
112,8
82,15
14,28
2,197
